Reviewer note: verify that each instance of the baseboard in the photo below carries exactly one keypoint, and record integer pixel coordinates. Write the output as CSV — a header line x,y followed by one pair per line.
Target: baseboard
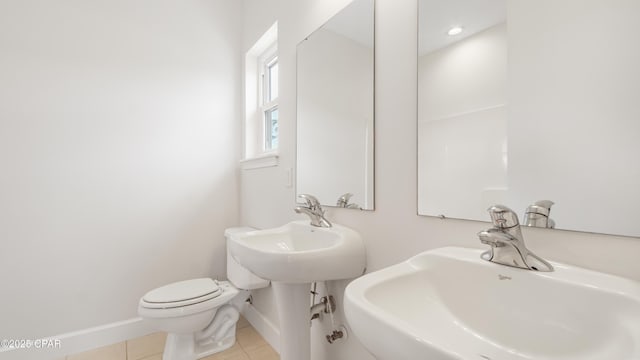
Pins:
x,y
262,325
95,337
79,341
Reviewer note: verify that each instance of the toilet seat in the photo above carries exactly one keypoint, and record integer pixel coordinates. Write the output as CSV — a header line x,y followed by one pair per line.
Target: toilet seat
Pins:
x,y
182,293
193,304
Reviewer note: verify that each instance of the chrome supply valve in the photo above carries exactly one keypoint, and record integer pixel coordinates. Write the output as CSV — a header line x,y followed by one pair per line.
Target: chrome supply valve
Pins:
x,y
335,335
340,333
326,305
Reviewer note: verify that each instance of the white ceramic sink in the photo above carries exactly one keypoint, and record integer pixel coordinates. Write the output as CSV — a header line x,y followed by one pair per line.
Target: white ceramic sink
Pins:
x,y
292,257
450,304
300,253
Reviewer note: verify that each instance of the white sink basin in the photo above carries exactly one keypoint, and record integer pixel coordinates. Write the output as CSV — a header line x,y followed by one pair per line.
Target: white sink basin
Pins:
x,y
450,304
300,253
292,257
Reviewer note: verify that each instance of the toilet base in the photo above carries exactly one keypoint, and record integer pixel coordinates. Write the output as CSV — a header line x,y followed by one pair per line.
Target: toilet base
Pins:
x,y
209,346
184,347
218,336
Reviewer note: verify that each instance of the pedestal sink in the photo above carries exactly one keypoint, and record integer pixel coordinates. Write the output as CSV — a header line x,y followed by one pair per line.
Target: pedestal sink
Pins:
x,y
448,304
292,257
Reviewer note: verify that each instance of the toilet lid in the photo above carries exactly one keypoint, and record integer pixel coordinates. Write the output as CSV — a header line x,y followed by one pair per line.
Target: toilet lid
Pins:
x,y
182,293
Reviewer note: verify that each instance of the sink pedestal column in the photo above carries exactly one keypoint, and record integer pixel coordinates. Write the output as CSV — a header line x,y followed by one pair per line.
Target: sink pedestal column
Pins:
x,y
295,323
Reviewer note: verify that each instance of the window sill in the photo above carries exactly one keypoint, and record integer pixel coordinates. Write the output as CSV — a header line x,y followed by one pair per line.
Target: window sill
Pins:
x,y
260,161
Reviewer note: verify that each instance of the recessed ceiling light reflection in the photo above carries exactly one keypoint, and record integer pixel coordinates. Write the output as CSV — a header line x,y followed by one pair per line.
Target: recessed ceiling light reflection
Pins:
x,y
454,31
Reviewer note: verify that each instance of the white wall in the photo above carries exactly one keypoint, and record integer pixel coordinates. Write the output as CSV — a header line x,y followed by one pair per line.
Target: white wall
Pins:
x,y
462,126
393,232
335,108
119,142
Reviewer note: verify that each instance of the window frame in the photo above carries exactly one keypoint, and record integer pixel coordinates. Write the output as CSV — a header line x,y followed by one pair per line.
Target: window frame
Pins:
x,y
267,105
255,154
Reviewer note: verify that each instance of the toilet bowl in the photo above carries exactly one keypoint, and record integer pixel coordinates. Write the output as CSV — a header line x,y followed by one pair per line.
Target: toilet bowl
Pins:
x,y
196,313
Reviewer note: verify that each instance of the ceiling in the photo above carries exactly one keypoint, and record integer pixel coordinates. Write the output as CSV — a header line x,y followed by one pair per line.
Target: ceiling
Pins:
x,y
436,17
355,22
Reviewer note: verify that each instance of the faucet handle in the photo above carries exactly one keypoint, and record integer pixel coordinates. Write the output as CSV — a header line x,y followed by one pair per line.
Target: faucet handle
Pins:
x,y
544,203
310,200
503,217
542,207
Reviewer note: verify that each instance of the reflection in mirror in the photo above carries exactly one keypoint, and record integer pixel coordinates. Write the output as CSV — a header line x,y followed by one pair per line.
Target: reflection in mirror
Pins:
x,y
530,101
335,110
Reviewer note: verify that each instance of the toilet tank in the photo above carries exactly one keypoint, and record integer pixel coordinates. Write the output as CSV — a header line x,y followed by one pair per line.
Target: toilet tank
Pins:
x,y
240,276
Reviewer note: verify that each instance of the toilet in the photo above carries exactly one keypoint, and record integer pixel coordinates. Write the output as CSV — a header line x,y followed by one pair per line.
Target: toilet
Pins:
x,y
197,314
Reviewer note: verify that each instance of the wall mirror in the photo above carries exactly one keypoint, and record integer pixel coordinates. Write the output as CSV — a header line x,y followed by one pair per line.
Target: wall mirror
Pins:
x,y
520,101
335,109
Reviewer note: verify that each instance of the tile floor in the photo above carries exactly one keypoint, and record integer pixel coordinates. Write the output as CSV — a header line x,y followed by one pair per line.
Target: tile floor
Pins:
x,y
249,346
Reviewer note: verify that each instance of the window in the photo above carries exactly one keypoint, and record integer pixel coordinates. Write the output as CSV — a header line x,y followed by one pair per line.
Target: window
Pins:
x,y
262,120
269,86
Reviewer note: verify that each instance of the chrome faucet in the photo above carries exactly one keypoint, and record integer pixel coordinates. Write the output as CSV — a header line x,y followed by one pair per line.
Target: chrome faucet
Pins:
x,y
313,209
537,215
507,243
